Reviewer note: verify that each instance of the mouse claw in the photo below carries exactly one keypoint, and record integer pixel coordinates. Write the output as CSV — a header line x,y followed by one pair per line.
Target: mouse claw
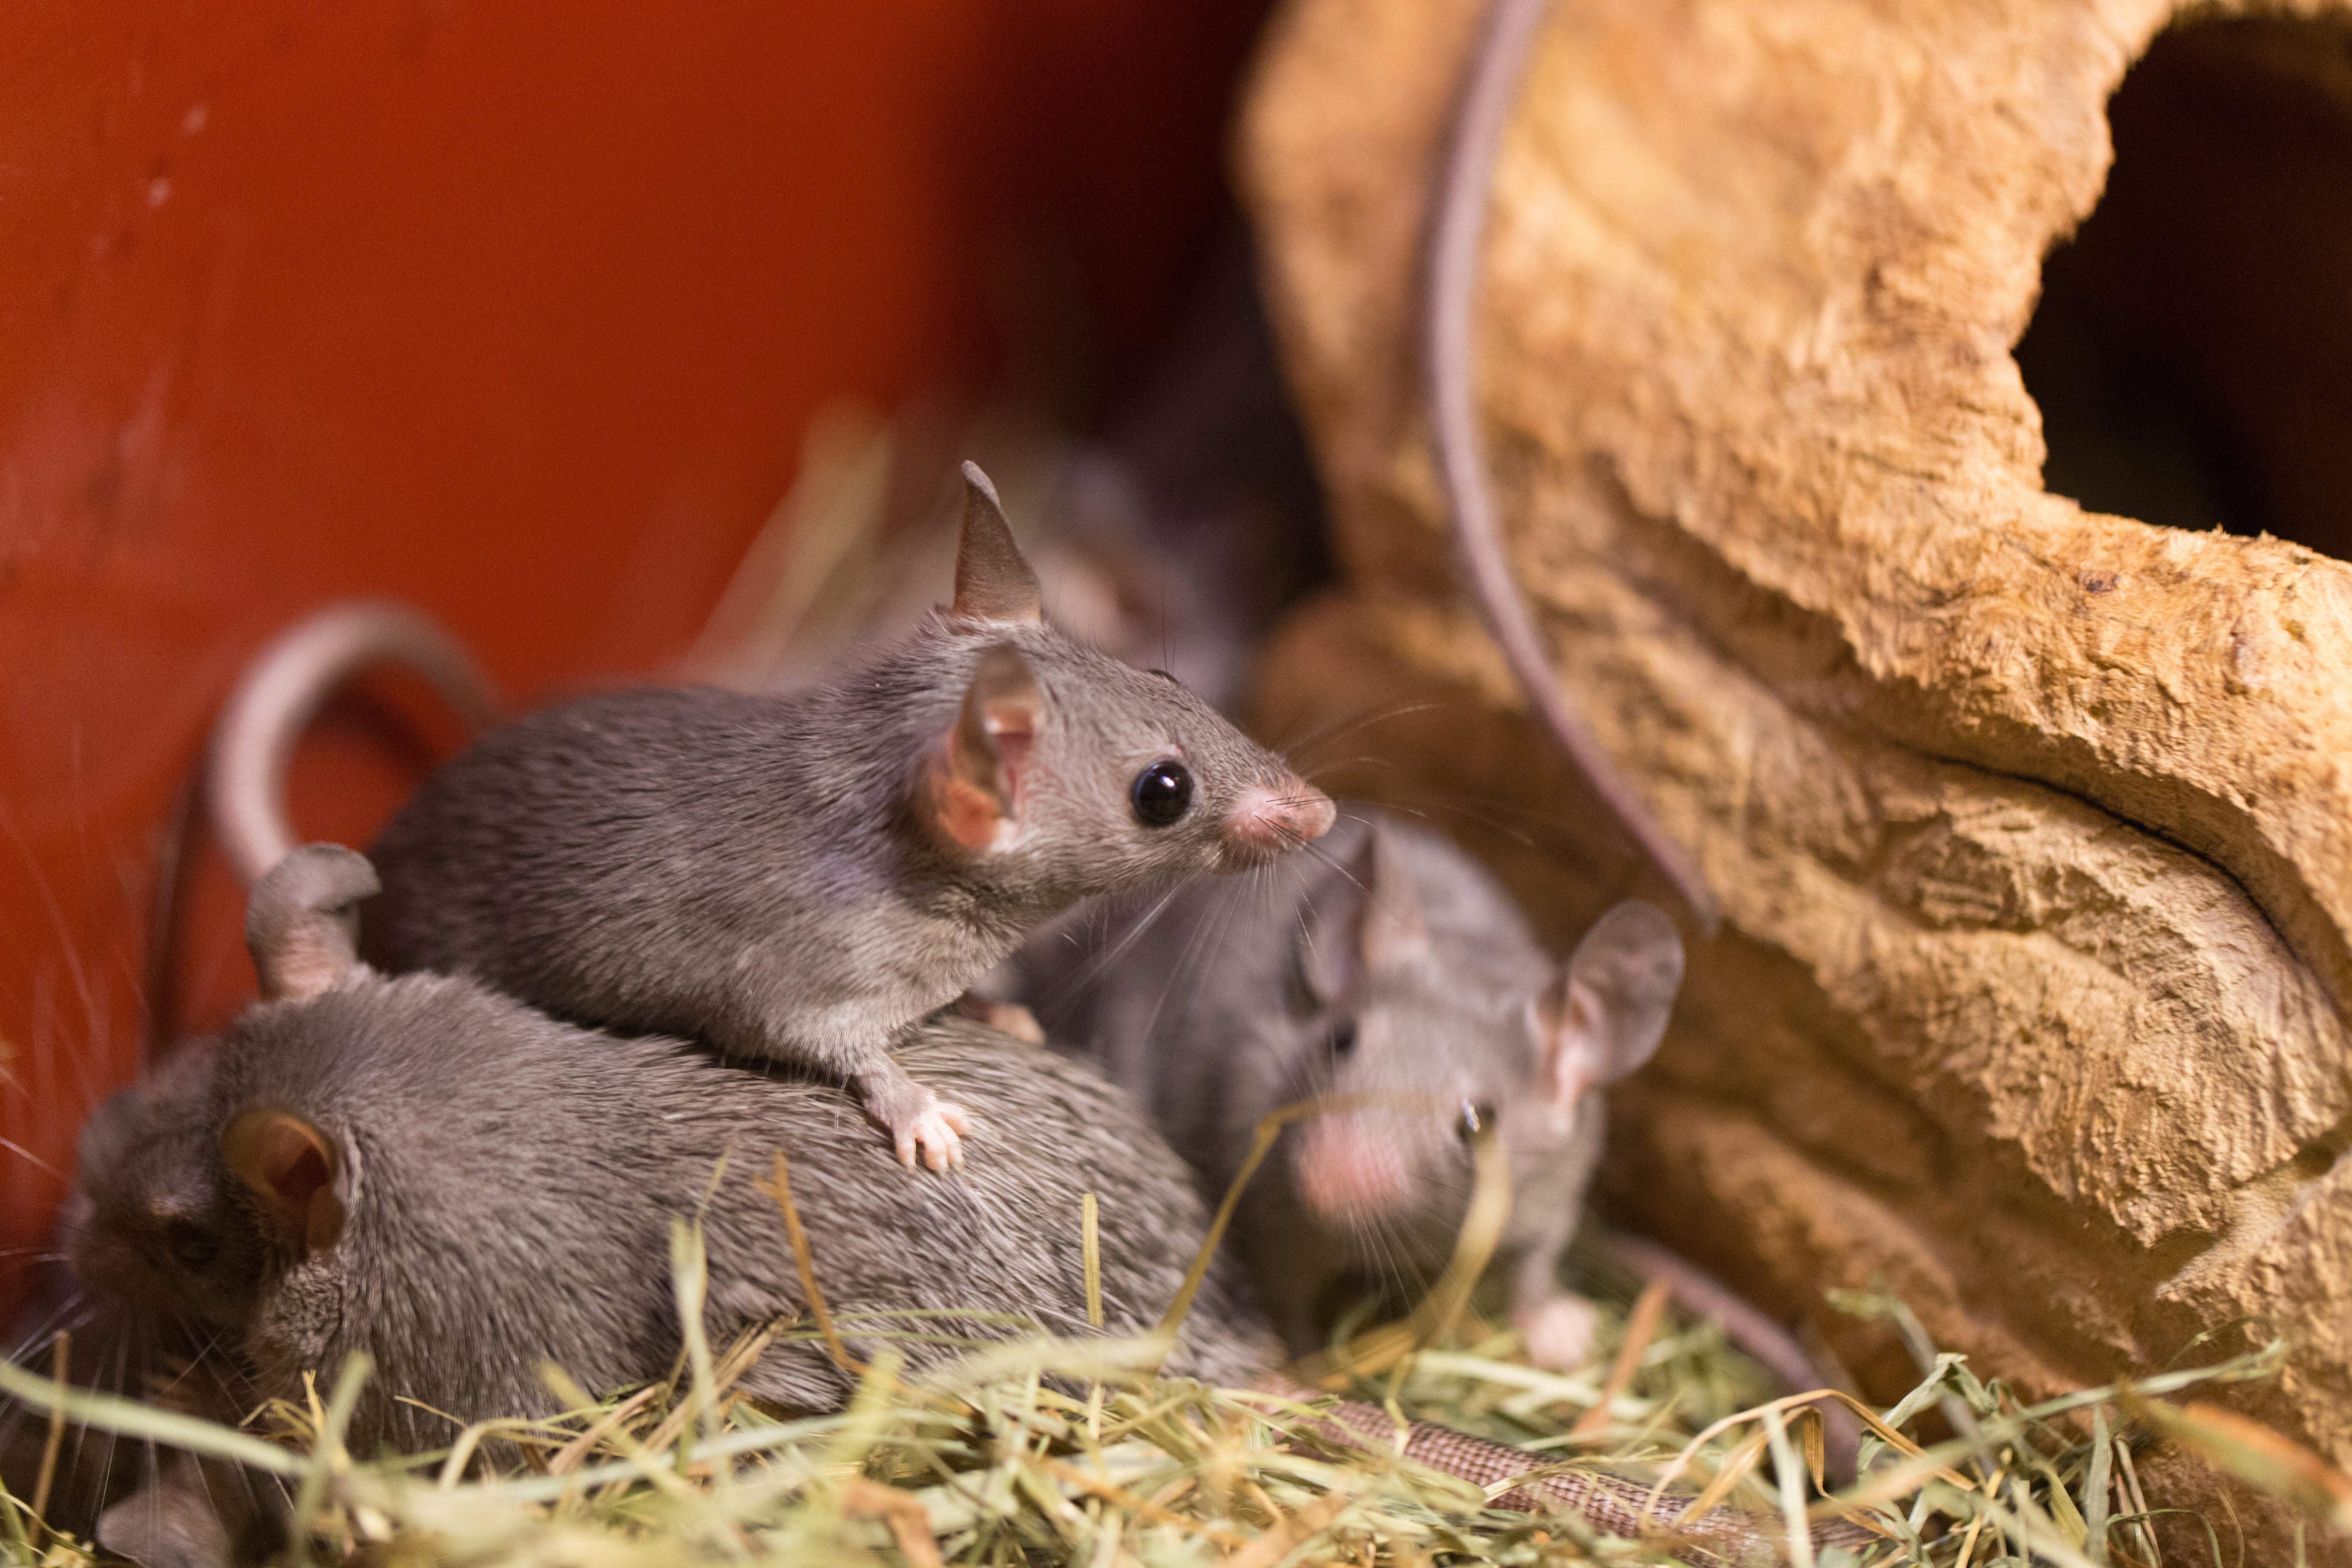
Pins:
x,y
937,1130
933,1133
920,1124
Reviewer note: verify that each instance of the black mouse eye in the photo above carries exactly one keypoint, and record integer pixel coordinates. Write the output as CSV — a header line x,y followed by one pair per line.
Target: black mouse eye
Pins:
x,y
192,1246
1163,793
1474,1118
1166,676
1343,1039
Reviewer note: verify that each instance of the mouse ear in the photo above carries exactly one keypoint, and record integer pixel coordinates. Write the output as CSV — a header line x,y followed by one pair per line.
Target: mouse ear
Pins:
x,y
1392,933
1604,1015
992,583
976,771
291,1167
302,922
1369,921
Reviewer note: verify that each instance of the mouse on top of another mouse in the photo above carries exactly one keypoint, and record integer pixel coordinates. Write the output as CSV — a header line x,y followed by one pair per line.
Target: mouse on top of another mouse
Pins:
x,y
420,1168
806,877
1392,965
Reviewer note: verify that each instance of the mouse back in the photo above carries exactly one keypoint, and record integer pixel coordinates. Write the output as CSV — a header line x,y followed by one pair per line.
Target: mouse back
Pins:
x,y
1004,1232
522,1213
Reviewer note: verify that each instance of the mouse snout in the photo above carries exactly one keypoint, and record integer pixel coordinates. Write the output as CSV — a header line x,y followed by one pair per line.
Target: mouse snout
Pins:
x,y
1268,820
107,1264
1347,1172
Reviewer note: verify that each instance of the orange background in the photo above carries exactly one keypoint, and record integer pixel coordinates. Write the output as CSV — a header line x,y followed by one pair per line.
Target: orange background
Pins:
x,y
517,312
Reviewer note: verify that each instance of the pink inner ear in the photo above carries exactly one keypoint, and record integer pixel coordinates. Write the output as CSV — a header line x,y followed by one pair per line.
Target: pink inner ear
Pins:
x,y
975,777
305,964
296,1171
288,1165
963,812
1013,730
1572,1051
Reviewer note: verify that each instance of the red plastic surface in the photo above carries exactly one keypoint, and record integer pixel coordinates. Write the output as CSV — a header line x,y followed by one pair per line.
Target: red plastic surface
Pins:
x,y
514,312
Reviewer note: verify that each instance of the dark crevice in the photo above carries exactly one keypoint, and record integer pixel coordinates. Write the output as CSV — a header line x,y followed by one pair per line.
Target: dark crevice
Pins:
x,y
2192,351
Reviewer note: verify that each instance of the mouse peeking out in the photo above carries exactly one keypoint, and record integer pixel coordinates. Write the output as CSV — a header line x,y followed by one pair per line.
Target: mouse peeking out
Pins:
x,y
1393,968
805,877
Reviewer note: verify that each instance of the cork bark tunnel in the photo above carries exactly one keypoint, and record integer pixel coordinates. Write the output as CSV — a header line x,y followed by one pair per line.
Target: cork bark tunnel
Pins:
x,y
1863,408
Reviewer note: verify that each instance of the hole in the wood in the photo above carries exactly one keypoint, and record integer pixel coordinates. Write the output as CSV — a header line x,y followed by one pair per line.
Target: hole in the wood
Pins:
x,y
2192,351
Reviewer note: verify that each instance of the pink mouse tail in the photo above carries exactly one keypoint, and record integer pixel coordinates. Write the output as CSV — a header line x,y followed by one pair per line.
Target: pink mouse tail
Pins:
x,y
282,690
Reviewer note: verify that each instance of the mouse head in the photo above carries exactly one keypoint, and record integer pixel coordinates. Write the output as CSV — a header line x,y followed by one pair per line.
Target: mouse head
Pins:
x,y
1409,1039
181,1200
1092,774
149,1222
1443,1046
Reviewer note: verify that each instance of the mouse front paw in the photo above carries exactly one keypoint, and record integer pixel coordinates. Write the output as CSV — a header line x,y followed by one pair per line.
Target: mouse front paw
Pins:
x,y
1559,1332
919,1122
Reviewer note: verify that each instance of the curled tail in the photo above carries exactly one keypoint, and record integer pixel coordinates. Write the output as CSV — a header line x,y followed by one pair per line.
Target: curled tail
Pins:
x,y
282,690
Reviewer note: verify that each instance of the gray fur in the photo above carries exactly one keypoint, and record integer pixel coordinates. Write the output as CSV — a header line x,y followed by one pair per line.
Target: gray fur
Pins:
x,y
754,871
152,1504
510,1185
1224,1005
143,1222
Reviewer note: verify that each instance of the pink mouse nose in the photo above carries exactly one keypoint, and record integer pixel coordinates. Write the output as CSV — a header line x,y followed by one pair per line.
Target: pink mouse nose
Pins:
x,y
1272,819
1345,1172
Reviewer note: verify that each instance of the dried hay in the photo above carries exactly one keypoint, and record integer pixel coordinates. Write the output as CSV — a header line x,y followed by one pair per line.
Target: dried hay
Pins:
x,y
986,1463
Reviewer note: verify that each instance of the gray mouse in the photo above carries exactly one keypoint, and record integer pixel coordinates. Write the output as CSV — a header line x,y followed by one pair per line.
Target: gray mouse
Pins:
x,y
1392,963
804,878
461,1186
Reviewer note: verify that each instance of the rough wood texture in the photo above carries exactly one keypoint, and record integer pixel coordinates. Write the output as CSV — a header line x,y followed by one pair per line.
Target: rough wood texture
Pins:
x,y
2032,827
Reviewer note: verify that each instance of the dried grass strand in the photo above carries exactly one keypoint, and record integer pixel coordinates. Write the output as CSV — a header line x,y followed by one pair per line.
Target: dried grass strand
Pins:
x,y
61,1353
779,1186
1641,1327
